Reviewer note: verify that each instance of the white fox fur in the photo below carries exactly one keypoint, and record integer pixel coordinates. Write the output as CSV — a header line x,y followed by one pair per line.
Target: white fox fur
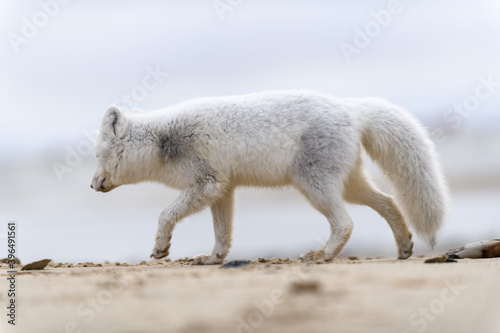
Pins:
x,y
207,147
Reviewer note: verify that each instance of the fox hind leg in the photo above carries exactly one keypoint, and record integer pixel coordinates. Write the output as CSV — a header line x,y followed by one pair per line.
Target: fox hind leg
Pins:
x,y
359,190
326,156
328,201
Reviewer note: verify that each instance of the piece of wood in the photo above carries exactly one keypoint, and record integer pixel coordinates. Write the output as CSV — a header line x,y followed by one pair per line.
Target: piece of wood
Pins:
x,y
477,250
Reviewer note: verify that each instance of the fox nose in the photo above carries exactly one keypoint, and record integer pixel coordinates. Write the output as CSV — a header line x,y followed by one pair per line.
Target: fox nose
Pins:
x,y
91,186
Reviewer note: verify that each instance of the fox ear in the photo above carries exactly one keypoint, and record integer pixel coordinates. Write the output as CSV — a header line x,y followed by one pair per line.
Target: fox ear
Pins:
x,y
114,122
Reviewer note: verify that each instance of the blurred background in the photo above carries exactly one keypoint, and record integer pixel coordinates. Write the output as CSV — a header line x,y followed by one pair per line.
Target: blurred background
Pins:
x,y
62,63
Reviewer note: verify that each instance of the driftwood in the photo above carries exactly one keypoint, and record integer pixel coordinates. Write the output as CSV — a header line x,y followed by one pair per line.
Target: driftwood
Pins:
x,y
477,250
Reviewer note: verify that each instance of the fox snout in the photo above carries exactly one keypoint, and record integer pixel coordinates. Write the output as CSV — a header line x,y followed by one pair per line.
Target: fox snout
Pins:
x,y
98,184
102,184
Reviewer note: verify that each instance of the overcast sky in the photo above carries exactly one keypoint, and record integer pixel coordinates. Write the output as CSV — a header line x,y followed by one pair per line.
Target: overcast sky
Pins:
x,y
61,65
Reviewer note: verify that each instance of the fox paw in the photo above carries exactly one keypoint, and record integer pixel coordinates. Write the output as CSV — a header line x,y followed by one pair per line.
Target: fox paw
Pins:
x,y
161,248
405,252
204,259
315,256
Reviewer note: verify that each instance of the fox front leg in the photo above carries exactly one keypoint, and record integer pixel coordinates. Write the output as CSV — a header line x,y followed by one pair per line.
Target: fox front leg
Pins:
x,y
222,213
206,191
162,245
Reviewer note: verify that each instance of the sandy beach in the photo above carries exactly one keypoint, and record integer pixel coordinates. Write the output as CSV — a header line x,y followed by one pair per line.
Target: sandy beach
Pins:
x,y
268,295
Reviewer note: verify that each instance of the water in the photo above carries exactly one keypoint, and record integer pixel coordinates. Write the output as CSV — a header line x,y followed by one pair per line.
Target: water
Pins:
x,y
69,222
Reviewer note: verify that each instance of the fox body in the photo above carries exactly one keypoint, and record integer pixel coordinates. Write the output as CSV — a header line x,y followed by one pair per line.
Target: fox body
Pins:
x,y
208,147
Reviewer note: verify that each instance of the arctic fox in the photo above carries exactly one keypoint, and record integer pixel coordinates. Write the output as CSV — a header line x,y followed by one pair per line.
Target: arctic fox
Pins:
x,y
208,147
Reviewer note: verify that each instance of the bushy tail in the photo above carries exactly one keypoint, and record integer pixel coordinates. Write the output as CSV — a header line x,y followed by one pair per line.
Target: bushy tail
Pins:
x,y
406,154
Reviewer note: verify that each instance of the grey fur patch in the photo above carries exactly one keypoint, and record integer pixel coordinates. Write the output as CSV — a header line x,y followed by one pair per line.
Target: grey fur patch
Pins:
x,y
177,143
321,150
171,147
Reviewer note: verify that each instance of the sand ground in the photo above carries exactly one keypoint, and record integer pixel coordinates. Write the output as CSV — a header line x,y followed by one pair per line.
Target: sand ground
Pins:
x,y
378,295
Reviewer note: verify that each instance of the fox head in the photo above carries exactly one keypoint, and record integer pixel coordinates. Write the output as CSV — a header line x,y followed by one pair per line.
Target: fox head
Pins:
x,y
109,149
